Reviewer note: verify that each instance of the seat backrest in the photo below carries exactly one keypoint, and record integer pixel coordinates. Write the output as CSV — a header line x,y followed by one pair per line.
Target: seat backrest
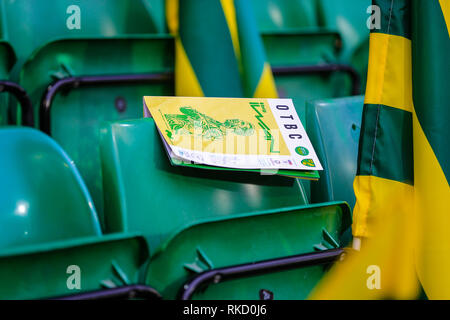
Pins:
x,y
304,49
334,126
248,239
42,196
282,15
349,18
145,193
47,20
76,113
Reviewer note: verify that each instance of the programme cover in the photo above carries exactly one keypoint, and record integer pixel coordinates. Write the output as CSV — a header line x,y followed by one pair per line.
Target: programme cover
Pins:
x,y
233,133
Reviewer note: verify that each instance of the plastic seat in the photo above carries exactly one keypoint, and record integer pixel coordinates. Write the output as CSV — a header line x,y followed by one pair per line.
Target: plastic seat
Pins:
x,y
304,50
250,257
349,18
303,53
77,84
145,193
49,20
49,223
115,38
197,218
334,126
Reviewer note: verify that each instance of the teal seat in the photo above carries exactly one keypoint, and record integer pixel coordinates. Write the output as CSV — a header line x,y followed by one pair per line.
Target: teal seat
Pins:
x,y
334,127
197,220
49,223
75,108
43,196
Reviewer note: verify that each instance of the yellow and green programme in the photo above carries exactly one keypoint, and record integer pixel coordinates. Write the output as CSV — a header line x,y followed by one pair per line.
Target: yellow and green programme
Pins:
x,y
234,134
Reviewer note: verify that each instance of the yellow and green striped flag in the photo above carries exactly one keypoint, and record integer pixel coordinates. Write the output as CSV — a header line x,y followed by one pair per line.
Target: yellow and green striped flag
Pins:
x,y
219,52
384,185
403,195
431,116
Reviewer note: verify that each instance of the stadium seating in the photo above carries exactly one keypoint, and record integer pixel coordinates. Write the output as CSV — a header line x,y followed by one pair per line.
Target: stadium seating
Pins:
x,y
299,60
93,80
139,183
349,19
239,257
116,38
168,205
334,126
304,51
51,21
114,195
303,55
50,224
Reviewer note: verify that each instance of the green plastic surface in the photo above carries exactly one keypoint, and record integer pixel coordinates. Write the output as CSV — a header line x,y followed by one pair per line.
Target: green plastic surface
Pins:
x,y
77,114
40,23
344,17
42,195
245,239
145,193
41,271
349,19
334,127
304,48
50,224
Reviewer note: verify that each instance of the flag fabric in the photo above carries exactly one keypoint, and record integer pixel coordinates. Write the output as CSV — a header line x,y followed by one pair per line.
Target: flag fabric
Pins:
x,y
218,49
403,214
431,114
384,184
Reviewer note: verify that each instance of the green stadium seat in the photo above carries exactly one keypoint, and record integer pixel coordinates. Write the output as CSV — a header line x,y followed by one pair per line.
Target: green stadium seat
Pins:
x,y
349,18
305,50
304,65
90,74
49,224
98,19
75,84
240,257
140,184
192,218
333,127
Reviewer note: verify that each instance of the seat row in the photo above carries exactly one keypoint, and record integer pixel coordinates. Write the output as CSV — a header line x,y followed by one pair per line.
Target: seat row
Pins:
x,y
76,79
134,219
169,231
